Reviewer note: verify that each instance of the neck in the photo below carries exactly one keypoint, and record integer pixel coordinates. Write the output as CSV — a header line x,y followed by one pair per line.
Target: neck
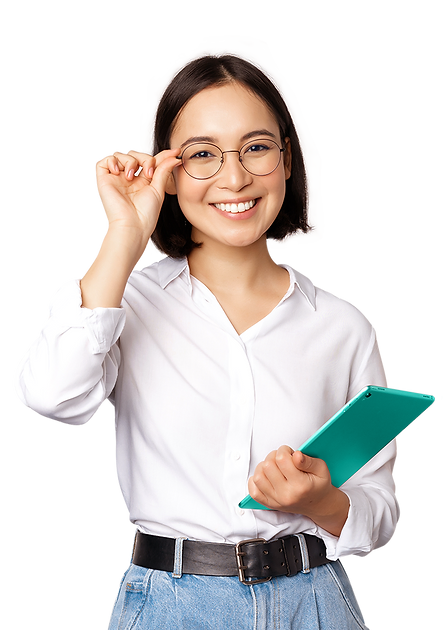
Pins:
x,y
234,269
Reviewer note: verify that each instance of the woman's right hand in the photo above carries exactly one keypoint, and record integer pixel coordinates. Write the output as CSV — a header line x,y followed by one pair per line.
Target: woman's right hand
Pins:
x,y
130,200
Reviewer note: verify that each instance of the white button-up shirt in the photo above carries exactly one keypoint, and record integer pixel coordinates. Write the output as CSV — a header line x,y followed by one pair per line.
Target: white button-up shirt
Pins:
x,y
198,406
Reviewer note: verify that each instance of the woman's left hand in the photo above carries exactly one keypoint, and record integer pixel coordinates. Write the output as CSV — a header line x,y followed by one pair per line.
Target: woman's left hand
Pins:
x,y
290,481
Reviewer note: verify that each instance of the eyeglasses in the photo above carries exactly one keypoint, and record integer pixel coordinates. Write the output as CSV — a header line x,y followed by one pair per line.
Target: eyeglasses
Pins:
x,y
202,160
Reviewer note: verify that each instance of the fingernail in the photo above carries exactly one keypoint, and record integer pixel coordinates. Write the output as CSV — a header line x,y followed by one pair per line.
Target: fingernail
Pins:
x,y
130,174
151,172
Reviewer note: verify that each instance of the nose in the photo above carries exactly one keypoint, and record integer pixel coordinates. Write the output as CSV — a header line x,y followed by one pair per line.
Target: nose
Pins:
x,y
232,175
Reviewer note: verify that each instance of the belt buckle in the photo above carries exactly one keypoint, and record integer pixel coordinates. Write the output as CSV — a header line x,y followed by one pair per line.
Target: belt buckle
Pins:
x,y
240,566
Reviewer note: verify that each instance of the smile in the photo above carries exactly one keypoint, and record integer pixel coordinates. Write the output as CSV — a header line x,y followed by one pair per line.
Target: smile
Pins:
x,y
236,207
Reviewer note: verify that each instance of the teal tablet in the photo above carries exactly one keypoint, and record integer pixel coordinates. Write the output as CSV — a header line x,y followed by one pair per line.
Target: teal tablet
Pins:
x,y
365,425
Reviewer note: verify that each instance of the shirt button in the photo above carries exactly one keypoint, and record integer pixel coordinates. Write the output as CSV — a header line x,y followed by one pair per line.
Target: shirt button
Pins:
x,y
235,456
240,512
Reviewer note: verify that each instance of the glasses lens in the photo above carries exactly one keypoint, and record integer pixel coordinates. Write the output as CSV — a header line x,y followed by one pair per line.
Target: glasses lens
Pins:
x,y
201,160
260,157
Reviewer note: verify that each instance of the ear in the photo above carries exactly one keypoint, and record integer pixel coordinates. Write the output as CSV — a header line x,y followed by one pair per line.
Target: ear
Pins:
x,y
287,158
170,187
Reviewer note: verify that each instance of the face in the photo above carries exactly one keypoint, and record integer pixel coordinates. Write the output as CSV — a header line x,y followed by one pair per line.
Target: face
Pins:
x,y
229,116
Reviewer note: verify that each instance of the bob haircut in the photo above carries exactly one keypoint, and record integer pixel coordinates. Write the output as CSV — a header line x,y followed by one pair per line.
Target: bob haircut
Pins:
x,y
172,234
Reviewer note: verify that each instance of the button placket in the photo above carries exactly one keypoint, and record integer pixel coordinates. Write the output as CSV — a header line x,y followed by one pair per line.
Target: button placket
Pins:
x,y
239,432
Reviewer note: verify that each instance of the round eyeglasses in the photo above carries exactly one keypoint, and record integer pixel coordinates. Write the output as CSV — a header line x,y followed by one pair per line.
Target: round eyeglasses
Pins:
x,y
202,160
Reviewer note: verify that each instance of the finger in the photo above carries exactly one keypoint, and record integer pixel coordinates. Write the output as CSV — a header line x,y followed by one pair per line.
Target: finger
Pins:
x,y
311,465
130,161
284,452
300,460
165,164
167,153
150,163
285,463
269,478
271,456
261,495
108,163
304,462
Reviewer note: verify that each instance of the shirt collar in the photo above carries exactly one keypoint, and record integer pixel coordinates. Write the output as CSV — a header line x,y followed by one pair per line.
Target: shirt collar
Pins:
x,y
171,268
304,285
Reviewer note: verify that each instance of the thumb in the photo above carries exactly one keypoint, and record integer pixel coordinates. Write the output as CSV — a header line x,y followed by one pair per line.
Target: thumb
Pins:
x,y
309,464
301,460
162,177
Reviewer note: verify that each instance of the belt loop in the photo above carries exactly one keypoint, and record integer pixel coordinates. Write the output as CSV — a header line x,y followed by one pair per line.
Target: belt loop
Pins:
x,y
178,558
304,553
132,547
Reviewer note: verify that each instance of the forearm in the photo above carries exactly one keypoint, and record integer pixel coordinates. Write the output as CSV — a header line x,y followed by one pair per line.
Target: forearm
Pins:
x,y
332,512
105,282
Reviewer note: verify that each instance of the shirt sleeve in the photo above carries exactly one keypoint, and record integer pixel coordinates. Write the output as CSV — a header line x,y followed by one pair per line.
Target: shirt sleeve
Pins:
x,y
73,365
374,510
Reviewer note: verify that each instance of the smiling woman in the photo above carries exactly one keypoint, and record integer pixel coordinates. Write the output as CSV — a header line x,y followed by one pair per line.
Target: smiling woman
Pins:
x,y
227,114
229,208
173,234
219,363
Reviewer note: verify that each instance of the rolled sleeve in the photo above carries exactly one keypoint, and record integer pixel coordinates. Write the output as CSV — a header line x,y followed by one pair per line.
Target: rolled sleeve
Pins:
x,y
373,512
103,326
73,365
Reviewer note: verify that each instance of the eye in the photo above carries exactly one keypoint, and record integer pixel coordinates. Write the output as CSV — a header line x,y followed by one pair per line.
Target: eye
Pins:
x,y
257,148
201,155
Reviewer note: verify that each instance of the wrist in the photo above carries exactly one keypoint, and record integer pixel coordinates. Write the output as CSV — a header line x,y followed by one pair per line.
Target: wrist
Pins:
x,y
332,512
120,251
127,242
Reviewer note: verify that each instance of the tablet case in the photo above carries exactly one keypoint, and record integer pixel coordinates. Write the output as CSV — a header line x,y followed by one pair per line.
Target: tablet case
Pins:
x,y
365,425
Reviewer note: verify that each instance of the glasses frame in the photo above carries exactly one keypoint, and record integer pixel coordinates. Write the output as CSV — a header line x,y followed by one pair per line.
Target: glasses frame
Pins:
x,y
222,161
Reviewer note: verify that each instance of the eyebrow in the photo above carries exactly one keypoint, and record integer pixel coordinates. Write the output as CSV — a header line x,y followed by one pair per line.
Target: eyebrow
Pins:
x,y
247,136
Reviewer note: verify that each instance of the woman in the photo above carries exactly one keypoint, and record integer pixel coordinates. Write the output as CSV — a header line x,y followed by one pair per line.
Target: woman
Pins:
x,y
218,362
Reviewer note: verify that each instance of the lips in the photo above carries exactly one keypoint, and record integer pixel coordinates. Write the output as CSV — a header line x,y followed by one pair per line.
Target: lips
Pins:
x,y
238,216
235,208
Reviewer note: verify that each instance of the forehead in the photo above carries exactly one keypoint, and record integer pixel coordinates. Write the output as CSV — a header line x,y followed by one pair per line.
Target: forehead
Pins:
x,y
224,113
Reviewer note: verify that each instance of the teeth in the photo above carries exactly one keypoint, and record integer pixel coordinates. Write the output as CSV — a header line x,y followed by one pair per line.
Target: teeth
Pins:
x,y
235,207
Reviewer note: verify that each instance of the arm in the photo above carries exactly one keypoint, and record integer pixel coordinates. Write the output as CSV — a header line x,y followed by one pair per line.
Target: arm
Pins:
x,y
334,514
359,516
71,368
104,283
73,365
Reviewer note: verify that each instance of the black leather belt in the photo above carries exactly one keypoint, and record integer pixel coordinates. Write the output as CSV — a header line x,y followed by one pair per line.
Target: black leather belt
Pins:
x,y
253,561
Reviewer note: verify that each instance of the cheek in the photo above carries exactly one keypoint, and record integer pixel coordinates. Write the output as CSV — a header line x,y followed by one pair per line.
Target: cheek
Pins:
x,y
189,191
277,184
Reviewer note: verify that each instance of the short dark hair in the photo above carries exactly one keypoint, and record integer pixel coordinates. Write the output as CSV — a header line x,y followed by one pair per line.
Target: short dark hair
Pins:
x,y
173,234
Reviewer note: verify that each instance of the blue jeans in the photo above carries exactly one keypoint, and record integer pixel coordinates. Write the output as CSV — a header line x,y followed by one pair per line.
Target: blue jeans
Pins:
x,y
154,600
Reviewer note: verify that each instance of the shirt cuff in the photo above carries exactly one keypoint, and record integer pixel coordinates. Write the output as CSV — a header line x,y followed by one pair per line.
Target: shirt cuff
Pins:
x,y
356,535
103,326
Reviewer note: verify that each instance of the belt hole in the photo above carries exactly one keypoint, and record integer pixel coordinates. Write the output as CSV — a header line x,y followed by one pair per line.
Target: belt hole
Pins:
x,y
281,550
283,564
265,551
266,567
